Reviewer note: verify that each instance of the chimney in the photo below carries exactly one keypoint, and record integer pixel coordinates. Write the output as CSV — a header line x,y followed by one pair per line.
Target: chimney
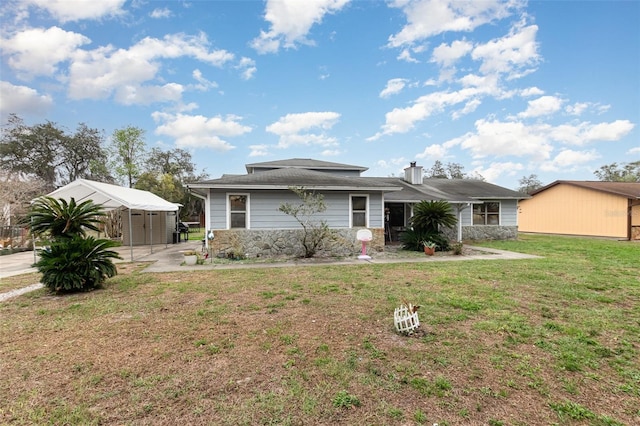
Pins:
x,y
413,174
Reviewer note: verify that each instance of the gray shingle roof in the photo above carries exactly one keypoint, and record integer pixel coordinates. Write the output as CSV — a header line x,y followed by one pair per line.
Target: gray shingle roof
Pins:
x,y
286,177
473,188
304,163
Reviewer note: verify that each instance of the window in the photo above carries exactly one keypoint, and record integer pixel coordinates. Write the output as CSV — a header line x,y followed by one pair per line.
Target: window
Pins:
x,y
486,214
359,211
238,210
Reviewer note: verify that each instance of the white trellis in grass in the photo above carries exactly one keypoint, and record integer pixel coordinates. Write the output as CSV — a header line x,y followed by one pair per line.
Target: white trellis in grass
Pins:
x,y
406,319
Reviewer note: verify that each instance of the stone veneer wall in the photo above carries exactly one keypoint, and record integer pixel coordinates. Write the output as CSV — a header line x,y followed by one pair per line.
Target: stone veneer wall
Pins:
x,y
270,243
484,232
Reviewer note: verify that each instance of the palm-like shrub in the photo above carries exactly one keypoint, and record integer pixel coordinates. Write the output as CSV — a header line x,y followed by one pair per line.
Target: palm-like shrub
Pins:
x,y
428,217
77,264
61,219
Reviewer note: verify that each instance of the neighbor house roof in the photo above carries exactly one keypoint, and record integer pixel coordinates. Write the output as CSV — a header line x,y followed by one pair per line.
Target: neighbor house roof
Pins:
x,y
624,189
112,197
303,163
286,177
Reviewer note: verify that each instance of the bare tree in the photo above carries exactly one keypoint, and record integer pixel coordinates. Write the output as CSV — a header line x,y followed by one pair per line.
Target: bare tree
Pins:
x,y
528,184
314,232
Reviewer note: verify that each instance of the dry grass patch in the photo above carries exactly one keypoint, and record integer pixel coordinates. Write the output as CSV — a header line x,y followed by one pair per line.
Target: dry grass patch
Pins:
x,y
501,343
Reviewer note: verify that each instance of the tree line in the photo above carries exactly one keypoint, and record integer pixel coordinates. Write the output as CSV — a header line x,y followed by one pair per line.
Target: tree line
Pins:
x,y
614,172
37,159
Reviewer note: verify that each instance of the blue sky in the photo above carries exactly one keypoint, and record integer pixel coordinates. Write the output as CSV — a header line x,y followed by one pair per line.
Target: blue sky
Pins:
x,y
505,88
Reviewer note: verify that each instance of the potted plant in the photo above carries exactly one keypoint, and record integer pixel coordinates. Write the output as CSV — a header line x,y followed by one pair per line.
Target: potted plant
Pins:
x,y
190,257
429,247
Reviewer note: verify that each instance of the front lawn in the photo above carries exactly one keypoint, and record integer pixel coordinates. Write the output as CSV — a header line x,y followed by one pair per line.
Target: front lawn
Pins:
x,y
543,341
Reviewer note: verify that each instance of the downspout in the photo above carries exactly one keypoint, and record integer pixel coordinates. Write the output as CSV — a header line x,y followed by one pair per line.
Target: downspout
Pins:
x,y
629,218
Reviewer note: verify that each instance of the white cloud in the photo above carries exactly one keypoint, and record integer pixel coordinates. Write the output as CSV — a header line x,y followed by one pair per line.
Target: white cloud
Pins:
x,y
433,152
531,91
469,107
394,86
259,150
247,66
634,151
146,95
98,73
447,55
402,120
577,109
22,100
39,51
158,13
544,105
426,18
291,21
76,10
514,54
500,139
197,131
331,153
569,160
586,132
204,84
497,169
393,162
295,129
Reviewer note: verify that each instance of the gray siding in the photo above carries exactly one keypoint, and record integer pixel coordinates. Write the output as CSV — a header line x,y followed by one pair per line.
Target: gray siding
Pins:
x,y
264,209
508,213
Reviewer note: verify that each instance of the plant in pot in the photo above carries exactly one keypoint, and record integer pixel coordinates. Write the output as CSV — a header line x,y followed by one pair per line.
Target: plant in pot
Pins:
x,y
190,257
429,247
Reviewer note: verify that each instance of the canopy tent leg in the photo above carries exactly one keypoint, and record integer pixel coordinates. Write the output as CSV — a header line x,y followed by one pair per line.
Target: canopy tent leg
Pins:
x,y
130,236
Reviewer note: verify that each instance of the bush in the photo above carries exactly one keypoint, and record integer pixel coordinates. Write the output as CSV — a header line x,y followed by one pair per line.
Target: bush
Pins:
x,y
412,239
77,264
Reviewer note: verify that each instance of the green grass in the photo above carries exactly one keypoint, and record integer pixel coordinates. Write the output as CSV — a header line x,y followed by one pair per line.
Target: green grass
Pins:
x,y
316,345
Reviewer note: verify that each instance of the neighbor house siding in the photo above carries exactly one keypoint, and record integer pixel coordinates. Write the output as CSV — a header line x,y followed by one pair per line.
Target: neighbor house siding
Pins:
x,y
265,214
567,209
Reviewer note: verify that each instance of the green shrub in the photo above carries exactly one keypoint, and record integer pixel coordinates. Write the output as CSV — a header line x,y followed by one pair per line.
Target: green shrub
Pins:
x,y
413,239
77,264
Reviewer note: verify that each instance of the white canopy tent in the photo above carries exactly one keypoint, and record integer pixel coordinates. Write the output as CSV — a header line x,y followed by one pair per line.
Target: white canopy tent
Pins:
x,y
113,197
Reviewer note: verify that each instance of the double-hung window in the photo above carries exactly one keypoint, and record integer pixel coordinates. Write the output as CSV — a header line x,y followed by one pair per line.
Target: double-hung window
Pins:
x,y
238,208
486,214
359,211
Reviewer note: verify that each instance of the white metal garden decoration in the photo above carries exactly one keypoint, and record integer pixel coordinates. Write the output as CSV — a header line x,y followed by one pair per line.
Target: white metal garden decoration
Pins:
x,y
406,318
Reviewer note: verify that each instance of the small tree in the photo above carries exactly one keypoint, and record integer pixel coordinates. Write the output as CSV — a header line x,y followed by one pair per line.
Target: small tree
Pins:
x,y
314,232
72,262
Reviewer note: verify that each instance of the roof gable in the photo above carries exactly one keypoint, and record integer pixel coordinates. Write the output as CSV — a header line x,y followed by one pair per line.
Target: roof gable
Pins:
x,y
623,189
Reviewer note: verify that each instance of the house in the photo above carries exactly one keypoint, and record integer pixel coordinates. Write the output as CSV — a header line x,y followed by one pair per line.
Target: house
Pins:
x,y
243,210
602,209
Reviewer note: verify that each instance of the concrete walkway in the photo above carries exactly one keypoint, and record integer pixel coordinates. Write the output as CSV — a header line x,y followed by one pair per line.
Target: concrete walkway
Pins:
x,y
170,258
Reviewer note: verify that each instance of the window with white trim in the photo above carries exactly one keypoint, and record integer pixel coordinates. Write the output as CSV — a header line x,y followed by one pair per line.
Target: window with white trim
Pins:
x,y
238,210
486,214
359,211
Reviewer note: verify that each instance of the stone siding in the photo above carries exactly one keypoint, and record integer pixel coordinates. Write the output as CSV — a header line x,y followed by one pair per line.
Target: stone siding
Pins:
x,y
271,243
484,232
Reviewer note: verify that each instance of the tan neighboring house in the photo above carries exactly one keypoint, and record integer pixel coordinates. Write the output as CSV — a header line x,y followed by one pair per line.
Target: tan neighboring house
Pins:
x,y
602,209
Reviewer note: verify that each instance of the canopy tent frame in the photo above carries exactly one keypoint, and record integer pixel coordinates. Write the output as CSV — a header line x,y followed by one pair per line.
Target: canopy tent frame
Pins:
x,y
113,197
